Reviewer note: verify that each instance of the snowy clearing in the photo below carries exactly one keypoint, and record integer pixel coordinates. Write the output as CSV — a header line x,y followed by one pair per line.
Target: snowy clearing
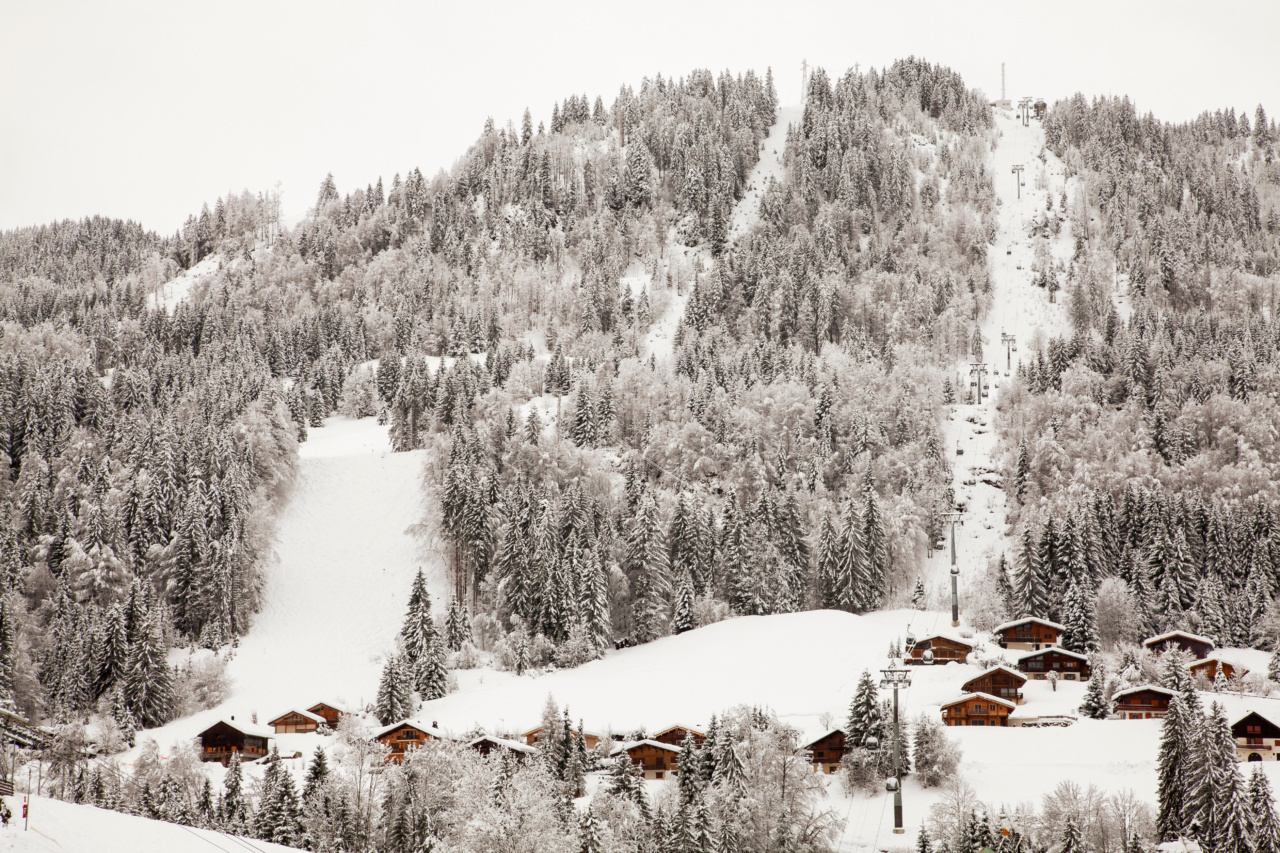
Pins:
x,y
179,287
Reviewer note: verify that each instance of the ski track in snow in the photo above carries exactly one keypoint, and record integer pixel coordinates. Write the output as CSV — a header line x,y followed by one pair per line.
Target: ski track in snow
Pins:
x,y
1018,308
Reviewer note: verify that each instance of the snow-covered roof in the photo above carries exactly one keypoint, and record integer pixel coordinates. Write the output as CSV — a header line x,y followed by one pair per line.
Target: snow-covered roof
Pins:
x,y
1169,635
1005,626
943,635
315,718
823,736
987,696
514,746
1141,688
251,729
992,669
627,747
422,727
1253,660
1251,713
334,705
675,726
1057,649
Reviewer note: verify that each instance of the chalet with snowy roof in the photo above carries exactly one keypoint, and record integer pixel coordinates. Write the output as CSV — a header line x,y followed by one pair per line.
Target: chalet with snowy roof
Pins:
x,y
488,744
1029,635
331,713
826,752
998,681
1209,668
656,758
977,709
403,737
945,650
20,731
297,722
1146,702
1069,665
675,735
226,738
1257,738
534,736
1193,644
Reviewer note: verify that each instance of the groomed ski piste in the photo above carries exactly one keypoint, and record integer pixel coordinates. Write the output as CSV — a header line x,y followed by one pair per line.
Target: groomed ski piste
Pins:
x,y
345,558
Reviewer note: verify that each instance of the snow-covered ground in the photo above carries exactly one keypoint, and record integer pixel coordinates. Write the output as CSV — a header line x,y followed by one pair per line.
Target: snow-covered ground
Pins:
x,y
176,289
58,827
747,212
337,589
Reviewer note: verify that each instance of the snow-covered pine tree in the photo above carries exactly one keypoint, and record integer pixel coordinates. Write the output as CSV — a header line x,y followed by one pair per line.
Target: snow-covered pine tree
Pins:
x,y
317,773
148,682
918,595
419,637
865,720
432,674
7,650
1079,617
1174,768
1265,826
395,692
682,618
457,626
646,569
1095,704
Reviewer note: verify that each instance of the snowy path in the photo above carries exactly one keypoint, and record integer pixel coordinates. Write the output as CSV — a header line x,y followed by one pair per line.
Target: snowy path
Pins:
x,y
335,598
1021,309
746,213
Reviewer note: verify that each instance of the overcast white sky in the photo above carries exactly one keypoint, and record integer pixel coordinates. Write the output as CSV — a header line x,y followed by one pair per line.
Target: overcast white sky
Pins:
x,y
145,110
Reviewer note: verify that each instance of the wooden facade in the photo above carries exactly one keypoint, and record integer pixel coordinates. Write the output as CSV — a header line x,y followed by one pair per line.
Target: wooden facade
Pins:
x,y
330,713
944,649
1257,738
1143,703
1193,644
998,681
1030,634
533,737
297,722
1069,665
977,709
1209,669
827,751
226,738
675,736
401,738
659,760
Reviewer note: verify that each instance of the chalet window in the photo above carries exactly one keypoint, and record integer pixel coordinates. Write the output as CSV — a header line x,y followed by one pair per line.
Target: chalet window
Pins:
x,y
1254,729
1035,664
978,709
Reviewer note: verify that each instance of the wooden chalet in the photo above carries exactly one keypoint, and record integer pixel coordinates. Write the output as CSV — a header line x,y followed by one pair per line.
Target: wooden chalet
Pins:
x,y
1209,669
945,650
1148,702
228,737
534,736
977,709
297,722
20,731
1029,635
1257,738
656,758
1070,666
998,681
403,737
331,713
1193,644
827,751
675,735
486,745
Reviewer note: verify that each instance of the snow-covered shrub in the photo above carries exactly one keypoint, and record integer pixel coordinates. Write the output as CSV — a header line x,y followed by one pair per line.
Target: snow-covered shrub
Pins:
x,y
486,630
201,683
359,393
707,610
859,772
935,755
468,657
1119,619
576,650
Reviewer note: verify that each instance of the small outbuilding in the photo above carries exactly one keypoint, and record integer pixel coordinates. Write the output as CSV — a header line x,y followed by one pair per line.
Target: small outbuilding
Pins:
x,y
488,744
1146,702
1029,635
945,650
226,738
1257,738
827,751
1193,644
1070,666
977,709
656,758
998,681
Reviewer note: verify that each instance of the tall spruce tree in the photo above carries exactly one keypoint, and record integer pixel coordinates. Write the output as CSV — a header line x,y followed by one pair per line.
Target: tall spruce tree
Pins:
x,y
148,682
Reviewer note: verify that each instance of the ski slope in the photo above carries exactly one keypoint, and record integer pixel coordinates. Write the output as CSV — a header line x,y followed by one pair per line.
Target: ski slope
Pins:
x,y
746,214
59,827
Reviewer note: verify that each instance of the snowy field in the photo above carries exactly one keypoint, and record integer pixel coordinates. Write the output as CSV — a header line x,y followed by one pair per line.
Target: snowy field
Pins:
x,y
177,288
58,827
